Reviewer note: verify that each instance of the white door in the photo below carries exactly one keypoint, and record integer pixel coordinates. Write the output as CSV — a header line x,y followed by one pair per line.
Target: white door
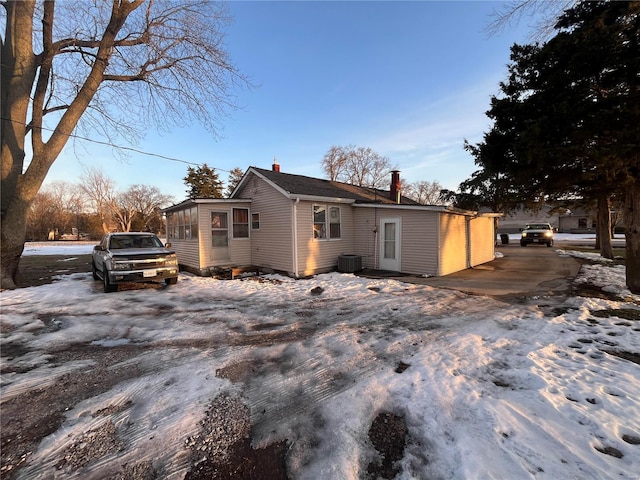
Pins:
x,y
390,244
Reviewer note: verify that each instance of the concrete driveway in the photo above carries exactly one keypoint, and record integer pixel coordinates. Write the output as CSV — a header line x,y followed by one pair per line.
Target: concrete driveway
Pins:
x,y
535,270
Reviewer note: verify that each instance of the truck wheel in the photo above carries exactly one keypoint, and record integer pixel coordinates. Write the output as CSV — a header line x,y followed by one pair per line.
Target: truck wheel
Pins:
x,y
107,285
550,243
523,244
171,281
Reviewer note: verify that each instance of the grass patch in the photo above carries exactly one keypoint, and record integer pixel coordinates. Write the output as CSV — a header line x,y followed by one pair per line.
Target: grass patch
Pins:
x,y
38,270
618,253
626,313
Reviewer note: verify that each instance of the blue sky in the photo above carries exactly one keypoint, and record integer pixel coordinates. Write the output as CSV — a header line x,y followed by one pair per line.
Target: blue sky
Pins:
x,y
411,80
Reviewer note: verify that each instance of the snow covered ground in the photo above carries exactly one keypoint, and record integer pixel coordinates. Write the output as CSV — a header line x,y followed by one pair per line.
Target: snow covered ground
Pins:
x,y
488,389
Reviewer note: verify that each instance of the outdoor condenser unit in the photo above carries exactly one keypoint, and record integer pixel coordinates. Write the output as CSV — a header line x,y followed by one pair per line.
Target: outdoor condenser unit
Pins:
x,y
349,263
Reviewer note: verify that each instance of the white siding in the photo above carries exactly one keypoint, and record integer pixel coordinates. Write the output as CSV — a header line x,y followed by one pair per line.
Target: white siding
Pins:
x,y
453,243
187,252
482,237
321,255
419,242
271,245
239,250
365,241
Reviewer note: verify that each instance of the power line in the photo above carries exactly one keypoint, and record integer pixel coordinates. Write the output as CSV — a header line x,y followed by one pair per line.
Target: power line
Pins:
x,y
131,149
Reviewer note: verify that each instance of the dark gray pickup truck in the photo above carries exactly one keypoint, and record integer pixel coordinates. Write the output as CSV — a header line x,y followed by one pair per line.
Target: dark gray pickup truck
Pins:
x,y
133,257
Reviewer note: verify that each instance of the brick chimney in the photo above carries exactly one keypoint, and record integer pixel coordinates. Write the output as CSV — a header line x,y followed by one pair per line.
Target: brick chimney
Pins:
x,y
276,166
395,186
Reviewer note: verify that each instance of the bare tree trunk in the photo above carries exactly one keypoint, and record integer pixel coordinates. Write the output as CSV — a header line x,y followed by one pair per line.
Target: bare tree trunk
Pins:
x,y
13,233
604,225
632,234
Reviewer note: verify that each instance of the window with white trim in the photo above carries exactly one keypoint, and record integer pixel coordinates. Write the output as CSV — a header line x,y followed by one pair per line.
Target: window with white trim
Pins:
x,y
219,229
326,222
255,221
240,223
183,224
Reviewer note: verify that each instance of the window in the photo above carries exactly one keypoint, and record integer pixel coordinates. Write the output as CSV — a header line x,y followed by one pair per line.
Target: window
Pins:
x,y
240,223
219,227
183,224
255,221
334,222
323,223
582,223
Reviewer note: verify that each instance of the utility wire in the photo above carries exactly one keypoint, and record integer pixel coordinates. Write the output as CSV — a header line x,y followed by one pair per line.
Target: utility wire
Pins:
x,y
130,149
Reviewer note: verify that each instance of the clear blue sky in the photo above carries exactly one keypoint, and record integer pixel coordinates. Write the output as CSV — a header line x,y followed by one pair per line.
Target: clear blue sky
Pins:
x,y
411,80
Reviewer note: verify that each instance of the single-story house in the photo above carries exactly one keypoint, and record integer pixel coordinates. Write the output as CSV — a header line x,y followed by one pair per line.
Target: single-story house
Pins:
x,y
303,226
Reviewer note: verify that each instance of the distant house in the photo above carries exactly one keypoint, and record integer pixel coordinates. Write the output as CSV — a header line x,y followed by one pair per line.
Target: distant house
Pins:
x,y
303,226
564,217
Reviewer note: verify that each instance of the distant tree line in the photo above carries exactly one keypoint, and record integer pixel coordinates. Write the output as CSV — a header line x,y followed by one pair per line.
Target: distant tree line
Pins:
x,y
364,167
92,207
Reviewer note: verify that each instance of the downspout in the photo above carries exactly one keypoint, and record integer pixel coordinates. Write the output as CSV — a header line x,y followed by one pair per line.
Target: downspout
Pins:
x,y
468,240
295,237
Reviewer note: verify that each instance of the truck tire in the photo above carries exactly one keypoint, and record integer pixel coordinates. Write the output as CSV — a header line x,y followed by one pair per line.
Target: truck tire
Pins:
x,y
107,285
171,281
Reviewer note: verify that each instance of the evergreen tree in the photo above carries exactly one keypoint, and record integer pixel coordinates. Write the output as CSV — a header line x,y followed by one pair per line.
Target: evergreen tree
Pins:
x,y
203,182
235,176
567,122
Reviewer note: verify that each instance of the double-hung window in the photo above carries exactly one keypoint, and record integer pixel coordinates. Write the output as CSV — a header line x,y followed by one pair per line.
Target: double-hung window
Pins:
x,y
240,223
326,222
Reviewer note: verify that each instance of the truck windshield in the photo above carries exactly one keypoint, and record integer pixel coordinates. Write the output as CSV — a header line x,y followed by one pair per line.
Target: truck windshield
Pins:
x,y
134,241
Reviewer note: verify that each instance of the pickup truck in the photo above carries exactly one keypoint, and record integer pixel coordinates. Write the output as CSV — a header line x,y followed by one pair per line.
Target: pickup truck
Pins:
x,y
125,257
537,233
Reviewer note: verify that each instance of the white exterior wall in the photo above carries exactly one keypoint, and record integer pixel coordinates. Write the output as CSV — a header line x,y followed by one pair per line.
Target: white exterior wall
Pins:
x,y
365,239
453,243
483,240
321,255
419,253
187,252
239,250
271,245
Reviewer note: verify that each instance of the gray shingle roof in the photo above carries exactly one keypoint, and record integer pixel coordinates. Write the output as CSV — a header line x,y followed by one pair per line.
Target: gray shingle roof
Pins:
x,y
318,187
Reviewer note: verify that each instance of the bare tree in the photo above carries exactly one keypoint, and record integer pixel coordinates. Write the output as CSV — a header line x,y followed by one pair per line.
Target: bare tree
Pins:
x,y
123,210
40,219
56,208
147,202
545,15
424,192
118,65
359,166
334,160
101,193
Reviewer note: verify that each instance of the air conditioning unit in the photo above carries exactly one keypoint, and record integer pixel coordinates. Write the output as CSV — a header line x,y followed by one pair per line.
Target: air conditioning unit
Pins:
x,y
349,263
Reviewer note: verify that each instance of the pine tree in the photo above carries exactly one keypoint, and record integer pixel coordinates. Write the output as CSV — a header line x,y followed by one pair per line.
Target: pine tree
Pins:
x,y
203,182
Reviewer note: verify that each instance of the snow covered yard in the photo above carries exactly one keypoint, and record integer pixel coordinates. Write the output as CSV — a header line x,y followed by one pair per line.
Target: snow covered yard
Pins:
x,y
163,382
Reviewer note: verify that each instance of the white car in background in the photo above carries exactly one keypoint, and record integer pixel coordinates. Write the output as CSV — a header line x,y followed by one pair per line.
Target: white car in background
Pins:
x,y
537,233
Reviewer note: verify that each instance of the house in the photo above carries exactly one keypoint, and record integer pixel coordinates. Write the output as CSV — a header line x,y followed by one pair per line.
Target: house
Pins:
x,y
303,226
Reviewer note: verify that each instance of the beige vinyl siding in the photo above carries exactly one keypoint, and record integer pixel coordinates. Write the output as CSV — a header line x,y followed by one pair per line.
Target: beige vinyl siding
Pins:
x,y
321,255
365,236
187,252
238,251
482,240
271,245
419,248
453,243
